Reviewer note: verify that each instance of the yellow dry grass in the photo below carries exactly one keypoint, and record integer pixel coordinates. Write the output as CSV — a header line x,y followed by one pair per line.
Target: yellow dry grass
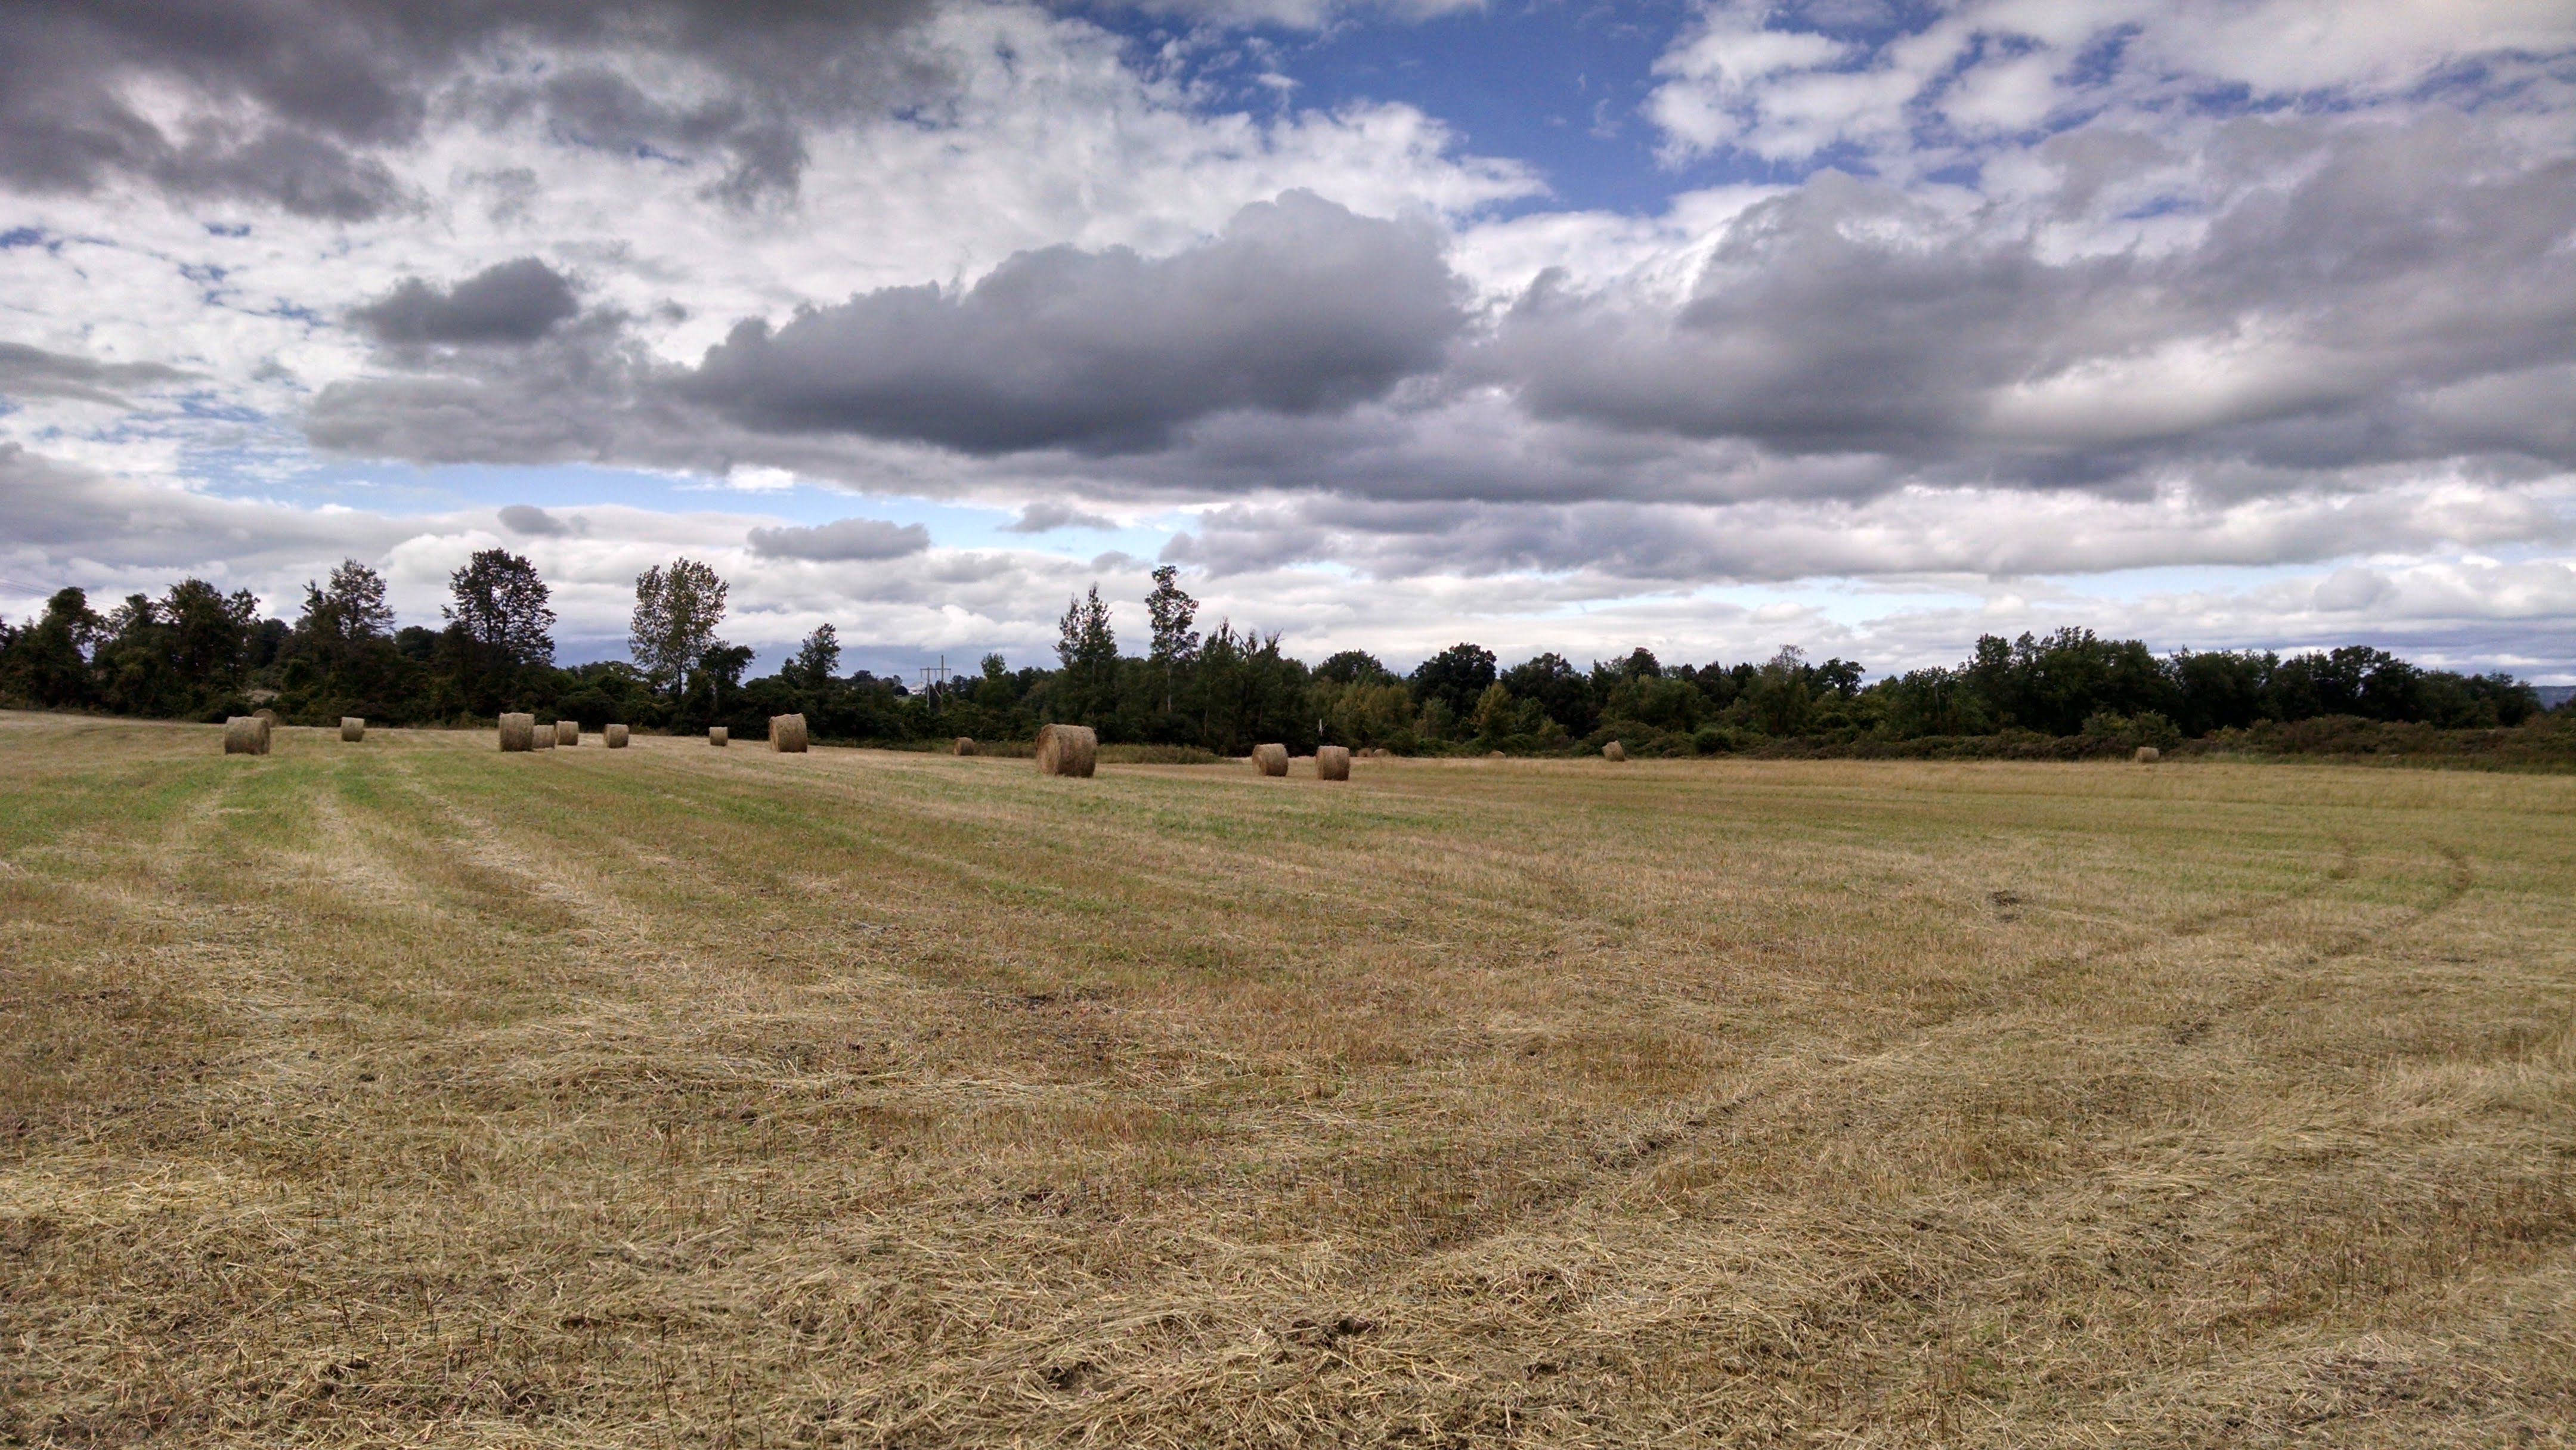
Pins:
x,y
872,1099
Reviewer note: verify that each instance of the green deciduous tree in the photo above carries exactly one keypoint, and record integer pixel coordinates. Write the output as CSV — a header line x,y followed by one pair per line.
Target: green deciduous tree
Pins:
x,y
1455,678
340,655
1087,691
816,661
1781,699
175,655
48,662
1176,643
501,604
677,608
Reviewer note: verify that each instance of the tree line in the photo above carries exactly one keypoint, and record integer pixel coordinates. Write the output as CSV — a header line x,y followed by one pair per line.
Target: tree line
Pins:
x,y
197,652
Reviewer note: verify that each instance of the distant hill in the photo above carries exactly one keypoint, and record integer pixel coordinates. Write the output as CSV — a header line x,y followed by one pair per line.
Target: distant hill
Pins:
x,y
2553,696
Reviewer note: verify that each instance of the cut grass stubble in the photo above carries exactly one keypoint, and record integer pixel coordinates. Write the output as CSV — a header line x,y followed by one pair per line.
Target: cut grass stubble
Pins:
x,y
864,1098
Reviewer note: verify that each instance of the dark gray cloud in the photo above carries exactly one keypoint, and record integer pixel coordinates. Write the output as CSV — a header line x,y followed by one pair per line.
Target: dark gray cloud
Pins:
x,y
536,523
510,302
841,541
578,393
2360,304
1298,307
1047,515
1998,532
29,372
296,99
595,106
2313,325
58,514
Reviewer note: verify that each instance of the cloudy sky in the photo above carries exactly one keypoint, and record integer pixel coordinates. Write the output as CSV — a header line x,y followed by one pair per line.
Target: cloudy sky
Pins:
x,y
1861,325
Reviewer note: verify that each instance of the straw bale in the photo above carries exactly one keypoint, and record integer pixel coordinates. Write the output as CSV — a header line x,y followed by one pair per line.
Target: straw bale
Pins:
x,y
245,735
268,715
787,734
965,745
1614,752
567,732
518,732
2149,755
1332,762
1270,759
353,728
1068,750
616,737
544,737
718,734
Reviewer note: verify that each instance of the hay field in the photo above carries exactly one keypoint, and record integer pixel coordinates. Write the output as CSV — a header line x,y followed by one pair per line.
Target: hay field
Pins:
x,y
409,1092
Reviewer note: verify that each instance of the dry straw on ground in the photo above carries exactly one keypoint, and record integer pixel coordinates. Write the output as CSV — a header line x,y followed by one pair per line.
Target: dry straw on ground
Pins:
x,y
352,729
568,733
1614,752
1332,762
718,735
787,734
885,1103
1068,750
965,746
614,737
245,735
518,732
1270,759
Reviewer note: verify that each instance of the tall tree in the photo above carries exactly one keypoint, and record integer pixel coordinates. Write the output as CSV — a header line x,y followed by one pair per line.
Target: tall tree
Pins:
x,y
49,659
132,661
817,660
174,655
1354,667
349,610
720,669
1457,677
1561,690
501,604
1173,611
1782,701
674,626
1089,653
210,632
342,648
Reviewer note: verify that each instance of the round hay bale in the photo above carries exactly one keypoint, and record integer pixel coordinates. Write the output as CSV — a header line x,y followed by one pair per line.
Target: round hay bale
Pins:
x,y
1270,759
965,745
1614,752
544,736
245,735
718,735
353,728
1332,762
616,737
567,732
1493,755
2148,755
266,714
1068,750
518,732
787,734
